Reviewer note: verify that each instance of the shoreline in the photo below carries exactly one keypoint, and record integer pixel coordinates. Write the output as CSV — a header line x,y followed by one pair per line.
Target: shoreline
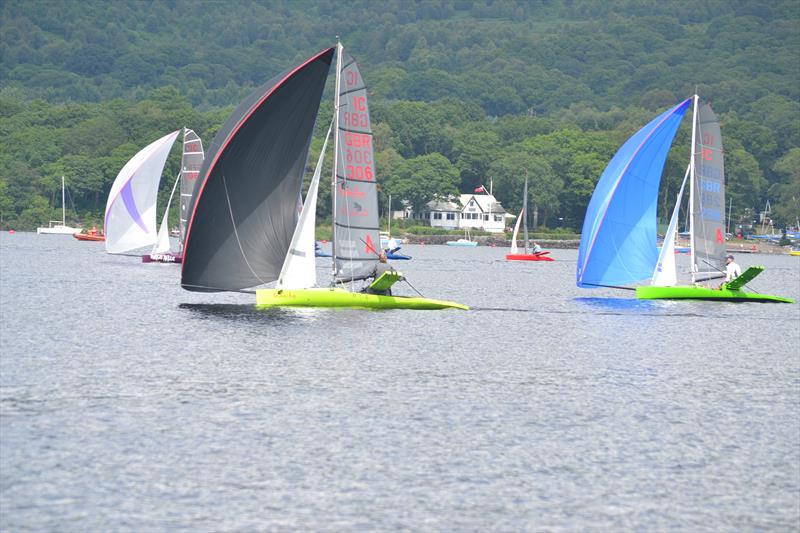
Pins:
x,y
733,246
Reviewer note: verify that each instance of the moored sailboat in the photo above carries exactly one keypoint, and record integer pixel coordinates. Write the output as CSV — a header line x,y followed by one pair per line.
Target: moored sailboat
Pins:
x,y
618,241
244,229
465,241
59,227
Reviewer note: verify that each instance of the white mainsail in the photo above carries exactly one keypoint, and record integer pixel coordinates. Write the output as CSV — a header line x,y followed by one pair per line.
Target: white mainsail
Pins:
x,y
299,270
514,248
162,244
130,220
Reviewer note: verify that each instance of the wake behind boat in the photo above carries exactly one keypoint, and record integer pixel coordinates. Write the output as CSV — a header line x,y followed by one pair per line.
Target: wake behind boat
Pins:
x,y
245,230
618,241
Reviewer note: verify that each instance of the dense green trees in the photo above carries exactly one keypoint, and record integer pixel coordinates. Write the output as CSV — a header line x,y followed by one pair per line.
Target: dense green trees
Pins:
x,y
461,91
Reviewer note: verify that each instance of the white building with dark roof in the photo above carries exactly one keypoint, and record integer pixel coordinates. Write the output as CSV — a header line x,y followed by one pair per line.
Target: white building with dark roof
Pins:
x,y
474,211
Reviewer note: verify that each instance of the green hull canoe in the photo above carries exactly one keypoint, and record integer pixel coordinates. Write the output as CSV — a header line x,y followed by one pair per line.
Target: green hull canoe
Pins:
x,y
322,297
691,292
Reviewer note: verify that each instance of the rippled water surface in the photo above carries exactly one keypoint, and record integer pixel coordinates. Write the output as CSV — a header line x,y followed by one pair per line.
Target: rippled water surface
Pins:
x,y
127,403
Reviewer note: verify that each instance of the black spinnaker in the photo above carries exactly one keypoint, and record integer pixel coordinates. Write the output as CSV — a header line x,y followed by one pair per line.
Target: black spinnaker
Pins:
x,y
244,211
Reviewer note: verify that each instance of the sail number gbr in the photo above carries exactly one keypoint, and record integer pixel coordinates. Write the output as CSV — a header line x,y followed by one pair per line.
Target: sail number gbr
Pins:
x,y
358,156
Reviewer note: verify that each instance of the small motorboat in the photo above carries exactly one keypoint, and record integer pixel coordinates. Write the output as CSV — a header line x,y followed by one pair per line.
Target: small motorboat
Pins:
x,y
91,235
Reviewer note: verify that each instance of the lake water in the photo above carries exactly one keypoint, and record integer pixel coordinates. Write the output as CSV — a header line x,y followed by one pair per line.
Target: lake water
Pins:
x,y
127,403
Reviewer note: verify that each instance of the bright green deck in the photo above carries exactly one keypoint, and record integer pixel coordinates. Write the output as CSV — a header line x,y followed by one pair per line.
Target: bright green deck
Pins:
x,y
386,280
322,297
690,292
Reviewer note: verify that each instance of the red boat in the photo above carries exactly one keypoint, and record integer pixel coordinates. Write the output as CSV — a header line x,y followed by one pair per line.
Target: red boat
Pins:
x,y
91,235
538,256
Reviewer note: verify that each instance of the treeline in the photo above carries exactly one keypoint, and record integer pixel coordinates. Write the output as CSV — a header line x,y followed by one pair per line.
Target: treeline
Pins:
x,y
461,91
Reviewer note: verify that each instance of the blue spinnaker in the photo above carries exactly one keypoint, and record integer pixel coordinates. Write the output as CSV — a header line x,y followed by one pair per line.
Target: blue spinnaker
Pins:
x,y
618,240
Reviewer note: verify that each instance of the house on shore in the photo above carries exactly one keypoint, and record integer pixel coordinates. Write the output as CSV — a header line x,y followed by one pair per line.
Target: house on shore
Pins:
x,y
474,211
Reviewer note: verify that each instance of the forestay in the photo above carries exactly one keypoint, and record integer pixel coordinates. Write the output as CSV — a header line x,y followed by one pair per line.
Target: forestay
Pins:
x,y
356,236
130,217
618,240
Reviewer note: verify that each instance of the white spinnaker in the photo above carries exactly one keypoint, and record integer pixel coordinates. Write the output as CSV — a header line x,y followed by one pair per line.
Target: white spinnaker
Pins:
x,y
514,249
130,220
162,244
299,270
665,274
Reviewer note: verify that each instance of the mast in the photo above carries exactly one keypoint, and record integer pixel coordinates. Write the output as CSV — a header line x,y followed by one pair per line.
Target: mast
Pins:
x,y
691,187
525,210
389,230
730,206
63,204
335,156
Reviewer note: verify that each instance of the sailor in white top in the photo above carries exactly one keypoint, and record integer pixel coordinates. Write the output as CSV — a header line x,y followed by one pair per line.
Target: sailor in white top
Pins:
x,y
732,269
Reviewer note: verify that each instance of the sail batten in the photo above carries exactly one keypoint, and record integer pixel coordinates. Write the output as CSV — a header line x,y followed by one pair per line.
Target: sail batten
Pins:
x,y
618,240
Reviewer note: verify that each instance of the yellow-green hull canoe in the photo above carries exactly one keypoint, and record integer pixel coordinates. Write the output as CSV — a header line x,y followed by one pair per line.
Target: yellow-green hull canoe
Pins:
x,y
691,292
322,297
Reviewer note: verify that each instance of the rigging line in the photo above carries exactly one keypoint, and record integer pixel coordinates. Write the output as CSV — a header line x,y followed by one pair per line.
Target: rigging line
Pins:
x,y
236,230
415,289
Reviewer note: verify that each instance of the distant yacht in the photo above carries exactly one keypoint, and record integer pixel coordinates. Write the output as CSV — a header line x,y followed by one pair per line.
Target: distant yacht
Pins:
x,y
59,227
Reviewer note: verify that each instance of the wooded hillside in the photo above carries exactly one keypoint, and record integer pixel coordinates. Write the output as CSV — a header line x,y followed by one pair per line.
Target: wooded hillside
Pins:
x,y
460,91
